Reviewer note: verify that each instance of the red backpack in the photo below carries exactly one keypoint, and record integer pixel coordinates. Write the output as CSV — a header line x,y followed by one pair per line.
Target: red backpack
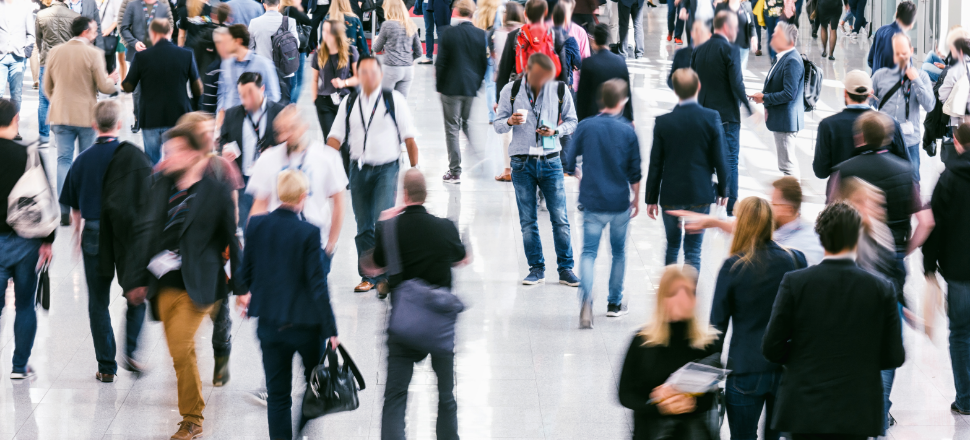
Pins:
x,y
535,38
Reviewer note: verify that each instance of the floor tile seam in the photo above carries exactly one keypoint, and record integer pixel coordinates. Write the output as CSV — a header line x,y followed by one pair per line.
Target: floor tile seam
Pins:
x,y
33,409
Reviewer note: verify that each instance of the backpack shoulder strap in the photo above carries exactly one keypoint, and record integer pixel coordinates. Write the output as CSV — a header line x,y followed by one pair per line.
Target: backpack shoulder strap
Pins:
x,y
562,95
516,85
388,96
351,98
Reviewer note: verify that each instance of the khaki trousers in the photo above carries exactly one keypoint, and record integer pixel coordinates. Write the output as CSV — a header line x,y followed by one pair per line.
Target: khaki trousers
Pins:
x,y
181,318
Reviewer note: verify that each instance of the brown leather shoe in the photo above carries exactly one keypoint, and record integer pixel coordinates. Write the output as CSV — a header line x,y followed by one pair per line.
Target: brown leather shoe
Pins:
x,y
106,378
187,431
506,176
364,286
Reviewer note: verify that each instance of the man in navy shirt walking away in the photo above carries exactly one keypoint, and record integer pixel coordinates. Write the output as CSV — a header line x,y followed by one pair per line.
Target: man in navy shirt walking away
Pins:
x,y
611,168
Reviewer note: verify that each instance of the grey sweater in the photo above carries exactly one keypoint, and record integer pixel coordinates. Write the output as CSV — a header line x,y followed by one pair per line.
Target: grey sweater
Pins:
x,y
399,49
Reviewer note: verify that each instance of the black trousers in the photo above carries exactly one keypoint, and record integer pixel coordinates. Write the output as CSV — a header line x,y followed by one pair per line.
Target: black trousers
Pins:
x,y
400,368
110,48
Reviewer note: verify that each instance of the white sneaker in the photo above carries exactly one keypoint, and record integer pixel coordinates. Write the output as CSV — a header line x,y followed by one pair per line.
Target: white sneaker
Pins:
x,y
28,373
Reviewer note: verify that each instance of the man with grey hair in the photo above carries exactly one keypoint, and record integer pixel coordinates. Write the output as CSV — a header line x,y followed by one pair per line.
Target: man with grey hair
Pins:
x,y
783,96
531,108
101,186
901,90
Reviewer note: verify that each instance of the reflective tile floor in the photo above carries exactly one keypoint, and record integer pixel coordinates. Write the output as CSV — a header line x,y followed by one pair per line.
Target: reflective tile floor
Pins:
x,y
523,369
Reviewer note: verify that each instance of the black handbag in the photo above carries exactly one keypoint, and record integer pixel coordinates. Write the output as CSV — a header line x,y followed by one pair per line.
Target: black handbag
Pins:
x,y
302,30
44,288
331,388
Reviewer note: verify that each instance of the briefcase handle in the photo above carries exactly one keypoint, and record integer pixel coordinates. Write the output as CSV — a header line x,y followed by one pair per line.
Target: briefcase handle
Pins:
x,y
330,354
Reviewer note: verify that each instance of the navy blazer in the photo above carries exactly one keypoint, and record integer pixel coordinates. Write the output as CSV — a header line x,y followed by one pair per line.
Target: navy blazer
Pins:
x,y
165,69
718,66
785,94
682,59
595,70
834,327
462,60
688,148
744,295
284,268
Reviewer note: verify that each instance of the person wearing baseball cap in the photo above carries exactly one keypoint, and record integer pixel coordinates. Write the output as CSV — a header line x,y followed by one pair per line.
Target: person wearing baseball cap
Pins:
x,y
835,142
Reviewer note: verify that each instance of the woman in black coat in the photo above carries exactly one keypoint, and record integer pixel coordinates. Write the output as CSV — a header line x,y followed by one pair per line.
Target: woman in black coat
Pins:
x,y
673,339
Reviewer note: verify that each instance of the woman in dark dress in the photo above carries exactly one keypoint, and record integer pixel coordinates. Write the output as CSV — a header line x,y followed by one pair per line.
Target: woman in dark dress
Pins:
x,y
673,339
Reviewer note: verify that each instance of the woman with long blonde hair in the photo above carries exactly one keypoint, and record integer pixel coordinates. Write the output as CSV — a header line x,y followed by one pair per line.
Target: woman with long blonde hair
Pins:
x,y
744,294
401,45
334,74
672,339
340,10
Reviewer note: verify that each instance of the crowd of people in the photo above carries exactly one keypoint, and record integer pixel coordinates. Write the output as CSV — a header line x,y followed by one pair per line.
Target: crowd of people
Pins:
x,y
228,196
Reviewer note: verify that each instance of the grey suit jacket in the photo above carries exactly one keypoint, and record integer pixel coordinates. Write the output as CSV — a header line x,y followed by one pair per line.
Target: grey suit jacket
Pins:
x,y
89,8
134,24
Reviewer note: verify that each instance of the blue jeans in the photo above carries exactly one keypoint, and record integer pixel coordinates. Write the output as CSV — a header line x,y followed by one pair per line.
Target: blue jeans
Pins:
x,y
43,130
12,71
278,346
593,225
913,151
887,379
732,139
428,33
99,298
674,230
675,25
770,23
18,260
757,28
373,191
490,88
400,369
245,204
66,137
152,137
296,81
859,12
958,311
931,70
746,395
546,175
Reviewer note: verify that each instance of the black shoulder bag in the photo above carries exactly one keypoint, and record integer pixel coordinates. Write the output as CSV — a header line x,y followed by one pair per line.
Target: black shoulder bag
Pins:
x,y
331,388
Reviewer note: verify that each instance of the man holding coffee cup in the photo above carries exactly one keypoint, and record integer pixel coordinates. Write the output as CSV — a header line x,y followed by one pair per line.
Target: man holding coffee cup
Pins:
x,y
537,120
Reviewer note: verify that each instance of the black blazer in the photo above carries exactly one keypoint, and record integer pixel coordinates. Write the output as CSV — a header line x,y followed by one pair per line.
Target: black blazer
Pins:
x,y
718,66
208,230
164,69
595,70
283,267
681,60
232,127
836,144
744,294
688,148
124,189
834,327
462,60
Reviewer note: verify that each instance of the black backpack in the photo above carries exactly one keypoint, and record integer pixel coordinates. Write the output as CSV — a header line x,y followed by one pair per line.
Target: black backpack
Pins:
x,y
286,49
936,122
387,95
813,84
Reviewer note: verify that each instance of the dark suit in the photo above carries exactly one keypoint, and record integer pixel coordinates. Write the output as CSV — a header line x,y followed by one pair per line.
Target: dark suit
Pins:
x,y
836,144
462,60
208,230
232,128
784,93
595,70
165,68
834,327
682,59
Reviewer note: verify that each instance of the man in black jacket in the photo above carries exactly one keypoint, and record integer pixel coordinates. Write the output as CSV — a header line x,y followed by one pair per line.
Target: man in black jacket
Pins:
x,y
718,65
834,143
85,187
187,222
834,327
682,58
946,250
247,130
460,70
600,67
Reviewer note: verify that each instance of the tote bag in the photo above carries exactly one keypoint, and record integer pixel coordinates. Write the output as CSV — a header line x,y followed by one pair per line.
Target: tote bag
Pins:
x,y
32,208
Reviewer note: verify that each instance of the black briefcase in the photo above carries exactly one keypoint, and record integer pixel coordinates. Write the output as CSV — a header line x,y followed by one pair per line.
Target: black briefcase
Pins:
x,y
331,388
44,288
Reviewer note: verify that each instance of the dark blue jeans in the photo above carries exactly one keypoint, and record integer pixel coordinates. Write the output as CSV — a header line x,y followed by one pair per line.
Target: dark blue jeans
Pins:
x,y
746,396
43,129
859,12
296,81
278,346
99,298
958,311
400,368
675,25
770,23
428,33
245,205
18,260
675,232
373,191
732,138
546,175
914,159
757,28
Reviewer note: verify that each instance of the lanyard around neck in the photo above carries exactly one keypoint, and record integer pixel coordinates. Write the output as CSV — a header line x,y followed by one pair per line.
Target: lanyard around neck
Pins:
x,y
367,125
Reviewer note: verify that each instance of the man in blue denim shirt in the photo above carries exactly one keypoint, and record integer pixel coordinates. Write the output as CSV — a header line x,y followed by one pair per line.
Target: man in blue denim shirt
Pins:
x,y
611,168
533,115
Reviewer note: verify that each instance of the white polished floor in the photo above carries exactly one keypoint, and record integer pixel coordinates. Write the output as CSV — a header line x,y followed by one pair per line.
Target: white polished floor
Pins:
x,y
523,369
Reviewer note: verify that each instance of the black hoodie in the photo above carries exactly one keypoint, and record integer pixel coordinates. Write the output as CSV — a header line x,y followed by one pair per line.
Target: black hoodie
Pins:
x,y
947,245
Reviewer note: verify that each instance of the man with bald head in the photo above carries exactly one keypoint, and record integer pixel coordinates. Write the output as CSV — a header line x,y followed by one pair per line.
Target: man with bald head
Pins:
x,y
901,90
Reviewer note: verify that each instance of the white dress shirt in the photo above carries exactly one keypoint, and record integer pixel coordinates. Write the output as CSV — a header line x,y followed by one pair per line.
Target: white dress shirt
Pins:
x,y
249,137
383,139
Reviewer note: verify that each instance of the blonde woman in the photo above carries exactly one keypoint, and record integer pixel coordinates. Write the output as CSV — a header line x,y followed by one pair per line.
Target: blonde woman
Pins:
x,y
401,45
744,294
340,10
674,338
333,74
488,18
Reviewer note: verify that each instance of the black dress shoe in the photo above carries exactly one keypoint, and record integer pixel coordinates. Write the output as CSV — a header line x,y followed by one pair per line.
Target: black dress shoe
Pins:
x,y
135,127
